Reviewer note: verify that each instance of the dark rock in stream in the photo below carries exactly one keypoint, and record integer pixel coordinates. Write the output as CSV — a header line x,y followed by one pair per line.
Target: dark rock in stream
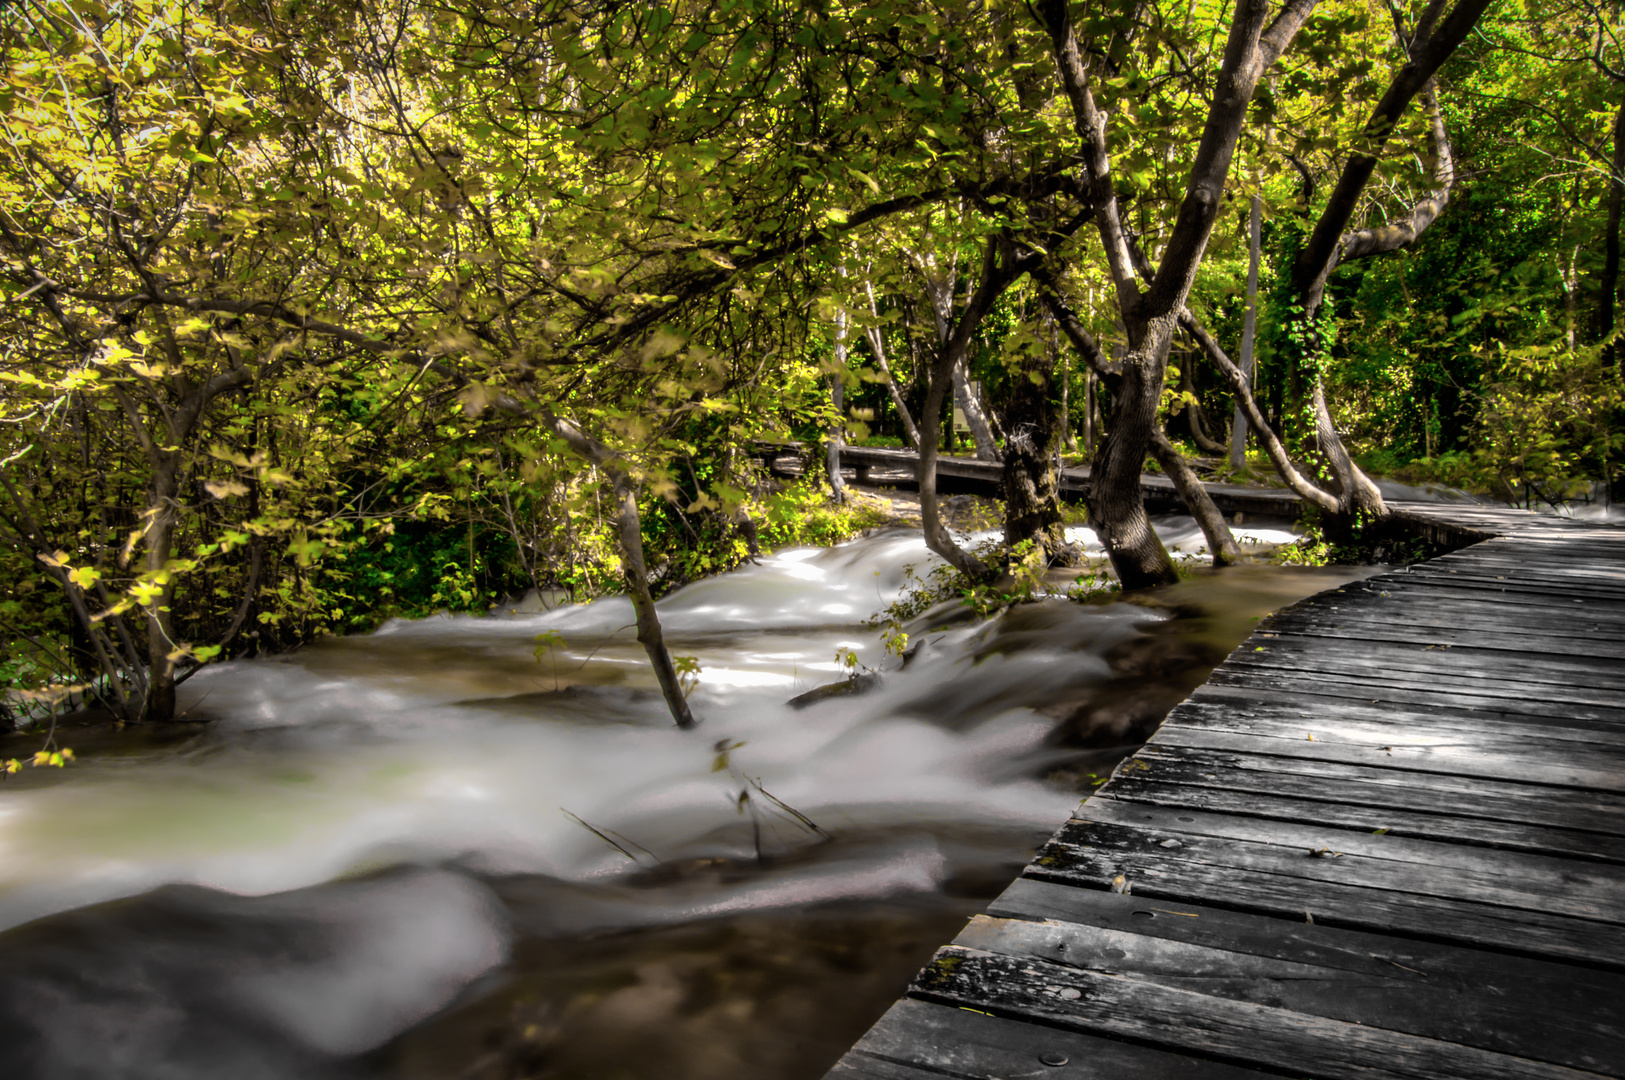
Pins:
x,y
853,687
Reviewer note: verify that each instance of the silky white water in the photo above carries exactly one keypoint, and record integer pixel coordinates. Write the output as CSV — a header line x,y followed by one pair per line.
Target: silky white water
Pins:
x,y
449,747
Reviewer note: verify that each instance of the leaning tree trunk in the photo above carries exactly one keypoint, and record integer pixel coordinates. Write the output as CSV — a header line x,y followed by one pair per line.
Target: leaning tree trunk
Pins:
x,y
1032,502
629,538
1221,542
629,533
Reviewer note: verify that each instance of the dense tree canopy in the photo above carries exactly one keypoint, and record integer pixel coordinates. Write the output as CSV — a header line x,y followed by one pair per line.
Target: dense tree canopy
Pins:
x,y
314,312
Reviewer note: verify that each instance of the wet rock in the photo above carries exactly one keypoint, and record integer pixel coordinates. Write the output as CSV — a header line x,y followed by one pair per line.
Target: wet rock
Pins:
x,y
853,687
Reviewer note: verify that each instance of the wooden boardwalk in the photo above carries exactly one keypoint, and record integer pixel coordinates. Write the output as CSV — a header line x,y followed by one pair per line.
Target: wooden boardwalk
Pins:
x,y
1387,839
873,464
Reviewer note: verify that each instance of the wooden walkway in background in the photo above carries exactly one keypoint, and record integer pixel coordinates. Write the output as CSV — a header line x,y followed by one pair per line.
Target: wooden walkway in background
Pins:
x,y
880,465
1387,839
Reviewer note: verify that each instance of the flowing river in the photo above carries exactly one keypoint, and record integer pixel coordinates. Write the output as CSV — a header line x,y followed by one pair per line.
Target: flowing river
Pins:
x,y
428,853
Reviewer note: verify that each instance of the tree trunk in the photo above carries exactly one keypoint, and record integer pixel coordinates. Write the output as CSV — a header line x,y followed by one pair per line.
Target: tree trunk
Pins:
x,y
1249,329
629,533
1089,412
1608,285
1032,503
629,538
1115,506
1357,497
160,703
836,436
877,345
940,292
1116,509
987,447
1000,267
1295,480
1221,543
1194,416
1436,37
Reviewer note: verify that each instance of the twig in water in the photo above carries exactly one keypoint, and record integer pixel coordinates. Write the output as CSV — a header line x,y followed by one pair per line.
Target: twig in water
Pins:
x,y
608,837
756,782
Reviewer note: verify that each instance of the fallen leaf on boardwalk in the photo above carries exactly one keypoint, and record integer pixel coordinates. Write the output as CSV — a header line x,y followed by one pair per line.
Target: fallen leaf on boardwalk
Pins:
x,y
1120,885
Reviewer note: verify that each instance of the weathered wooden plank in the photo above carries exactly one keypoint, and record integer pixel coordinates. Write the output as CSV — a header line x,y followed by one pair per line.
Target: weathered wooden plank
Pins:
x,y
1516,665
1501,593
1266,801
1561,571
1272,1036
1422,618
1572,557
1576,645
1594,891
1351,745
1463,588
1565,989
1591,815
1558,678
1407,692
1508,563
1378,672
1460,996
1465,591
1269,879
1488,618
1220,702
917,1040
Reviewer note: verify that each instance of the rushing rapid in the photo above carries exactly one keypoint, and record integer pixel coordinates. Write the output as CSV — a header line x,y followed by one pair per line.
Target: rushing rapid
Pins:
x,y
371,830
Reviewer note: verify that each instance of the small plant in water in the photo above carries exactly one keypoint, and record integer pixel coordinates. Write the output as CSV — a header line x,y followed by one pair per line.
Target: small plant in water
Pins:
x,y
548,644
688,673
1092,588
